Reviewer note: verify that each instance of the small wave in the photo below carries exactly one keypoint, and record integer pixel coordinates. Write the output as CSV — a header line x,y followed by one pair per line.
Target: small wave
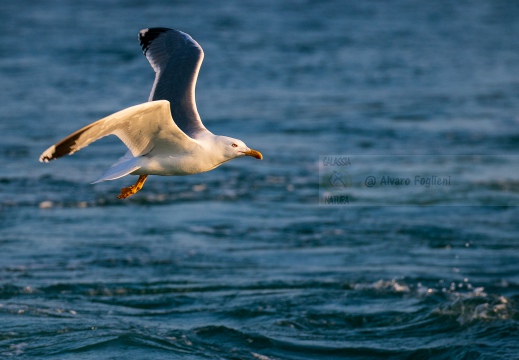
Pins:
x,y
479,307
384,285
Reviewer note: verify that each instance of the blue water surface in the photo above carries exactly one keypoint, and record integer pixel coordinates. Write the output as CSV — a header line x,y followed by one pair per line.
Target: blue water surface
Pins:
x,y
242,262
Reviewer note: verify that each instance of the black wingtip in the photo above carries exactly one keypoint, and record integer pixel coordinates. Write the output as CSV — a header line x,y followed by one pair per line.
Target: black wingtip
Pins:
x,y
146,36
67,146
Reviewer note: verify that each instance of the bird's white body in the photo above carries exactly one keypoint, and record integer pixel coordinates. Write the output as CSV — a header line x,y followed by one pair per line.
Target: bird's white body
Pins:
x,y
200,157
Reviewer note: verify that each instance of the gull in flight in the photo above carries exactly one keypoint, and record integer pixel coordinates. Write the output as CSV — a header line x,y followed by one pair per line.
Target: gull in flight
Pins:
x,y
164,136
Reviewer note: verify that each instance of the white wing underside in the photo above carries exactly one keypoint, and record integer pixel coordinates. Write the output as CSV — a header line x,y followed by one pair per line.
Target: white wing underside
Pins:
x,y
142,128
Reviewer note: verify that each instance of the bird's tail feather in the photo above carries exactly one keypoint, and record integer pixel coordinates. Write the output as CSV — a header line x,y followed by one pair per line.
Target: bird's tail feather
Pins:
x,y
120,169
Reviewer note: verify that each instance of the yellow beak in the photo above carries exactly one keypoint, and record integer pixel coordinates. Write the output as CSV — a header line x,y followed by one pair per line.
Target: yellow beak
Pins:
x,y
254,153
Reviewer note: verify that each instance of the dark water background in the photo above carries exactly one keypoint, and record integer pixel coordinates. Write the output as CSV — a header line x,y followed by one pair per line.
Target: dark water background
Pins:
x,y
242,262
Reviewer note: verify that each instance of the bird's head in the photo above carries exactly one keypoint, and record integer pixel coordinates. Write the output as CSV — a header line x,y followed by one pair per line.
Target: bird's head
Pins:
x,y
233,148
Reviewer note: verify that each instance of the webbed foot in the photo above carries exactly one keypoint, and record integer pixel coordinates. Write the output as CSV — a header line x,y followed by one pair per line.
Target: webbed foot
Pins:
x,y
132,189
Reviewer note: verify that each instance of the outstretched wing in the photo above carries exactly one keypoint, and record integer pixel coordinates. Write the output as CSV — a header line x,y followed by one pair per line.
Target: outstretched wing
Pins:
x,y
141,128
176,59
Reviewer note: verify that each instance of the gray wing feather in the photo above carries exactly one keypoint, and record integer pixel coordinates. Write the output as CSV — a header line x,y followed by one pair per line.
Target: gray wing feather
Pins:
x,y
176,59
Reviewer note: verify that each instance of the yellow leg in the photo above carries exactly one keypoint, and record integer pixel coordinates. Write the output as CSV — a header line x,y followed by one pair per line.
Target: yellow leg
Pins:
x,y
132,189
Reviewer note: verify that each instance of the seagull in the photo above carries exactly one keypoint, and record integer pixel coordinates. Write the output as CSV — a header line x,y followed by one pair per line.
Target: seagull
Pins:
x,y
164,136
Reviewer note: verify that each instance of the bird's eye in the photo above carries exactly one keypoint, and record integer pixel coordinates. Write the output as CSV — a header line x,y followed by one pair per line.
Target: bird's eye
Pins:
x,y
234,145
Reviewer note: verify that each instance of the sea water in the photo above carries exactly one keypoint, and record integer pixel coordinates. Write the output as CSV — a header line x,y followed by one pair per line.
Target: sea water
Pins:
x,y
248,261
